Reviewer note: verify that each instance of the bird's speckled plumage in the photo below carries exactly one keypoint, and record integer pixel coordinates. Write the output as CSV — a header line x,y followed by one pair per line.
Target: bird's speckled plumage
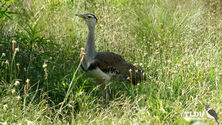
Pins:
x,y
117,67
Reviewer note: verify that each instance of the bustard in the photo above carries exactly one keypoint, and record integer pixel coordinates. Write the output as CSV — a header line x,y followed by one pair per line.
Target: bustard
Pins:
x,y
104,66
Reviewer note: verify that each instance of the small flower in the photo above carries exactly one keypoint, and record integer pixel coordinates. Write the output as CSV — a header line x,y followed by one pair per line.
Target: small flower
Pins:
x,y
6,62
27,81
185,63
145,54
82,53
130,70
157,53
16,83
13,41
18,66
144,74
27,86
16,50
4,123
128,78
18,98
3,54
69,105
44,65
48,41
25,69
13,91
5,106
13,45
169,61
82,49
197,63
30,122
135,64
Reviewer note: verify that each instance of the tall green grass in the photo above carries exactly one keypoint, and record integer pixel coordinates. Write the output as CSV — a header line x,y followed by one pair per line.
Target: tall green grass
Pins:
x,y
178,44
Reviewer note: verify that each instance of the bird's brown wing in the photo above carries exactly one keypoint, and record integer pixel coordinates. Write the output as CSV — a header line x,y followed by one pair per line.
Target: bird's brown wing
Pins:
x,y
110,62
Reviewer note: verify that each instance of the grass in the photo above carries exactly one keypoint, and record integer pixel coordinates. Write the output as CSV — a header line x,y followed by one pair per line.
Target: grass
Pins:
x,y
178,43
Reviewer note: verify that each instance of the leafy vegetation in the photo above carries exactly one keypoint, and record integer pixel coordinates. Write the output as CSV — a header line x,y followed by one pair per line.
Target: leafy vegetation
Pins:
x,y
178,44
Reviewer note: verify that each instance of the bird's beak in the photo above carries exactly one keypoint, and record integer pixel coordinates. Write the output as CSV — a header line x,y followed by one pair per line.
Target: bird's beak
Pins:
x,y
81,16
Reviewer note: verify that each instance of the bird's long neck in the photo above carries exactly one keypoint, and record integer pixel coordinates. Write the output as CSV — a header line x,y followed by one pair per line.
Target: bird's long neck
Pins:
x,y
90,51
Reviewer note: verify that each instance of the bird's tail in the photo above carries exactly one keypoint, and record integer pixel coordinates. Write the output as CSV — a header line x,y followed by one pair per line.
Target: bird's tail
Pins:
x,y
217,122
137,75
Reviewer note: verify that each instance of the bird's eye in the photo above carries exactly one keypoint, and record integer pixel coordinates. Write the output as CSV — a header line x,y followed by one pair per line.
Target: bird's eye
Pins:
x,y
89,16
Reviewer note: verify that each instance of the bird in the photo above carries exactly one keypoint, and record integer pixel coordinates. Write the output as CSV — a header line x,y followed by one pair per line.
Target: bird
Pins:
x,y
106,66
211,113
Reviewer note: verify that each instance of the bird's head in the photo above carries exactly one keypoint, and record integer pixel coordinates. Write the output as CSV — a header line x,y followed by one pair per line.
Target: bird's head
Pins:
x,y
89,18
207,107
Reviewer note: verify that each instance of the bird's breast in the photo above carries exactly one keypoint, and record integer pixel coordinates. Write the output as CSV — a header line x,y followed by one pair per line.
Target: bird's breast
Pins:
x,y
98,74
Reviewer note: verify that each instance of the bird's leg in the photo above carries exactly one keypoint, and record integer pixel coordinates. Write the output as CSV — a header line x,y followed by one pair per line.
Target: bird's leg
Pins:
x,y
102,92
107,91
